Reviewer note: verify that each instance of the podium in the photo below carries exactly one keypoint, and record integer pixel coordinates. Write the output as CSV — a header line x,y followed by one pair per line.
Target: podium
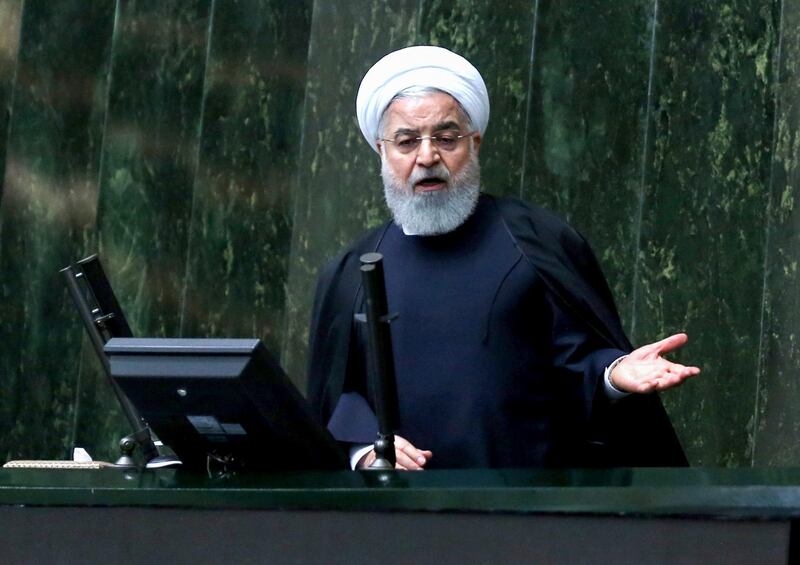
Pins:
x,y
489,516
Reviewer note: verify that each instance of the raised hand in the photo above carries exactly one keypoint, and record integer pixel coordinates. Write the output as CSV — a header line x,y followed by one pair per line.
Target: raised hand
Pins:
x,y
645,370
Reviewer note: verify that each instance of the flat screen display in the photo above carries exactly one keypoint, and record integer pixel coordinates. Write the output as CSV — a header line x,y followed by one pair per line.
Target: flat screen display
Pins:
x,y
221,403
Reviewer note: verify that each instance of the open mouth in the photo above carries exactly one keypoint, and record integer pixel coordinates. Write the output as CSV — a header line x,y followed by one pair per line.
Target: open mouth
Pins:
x,y
430,184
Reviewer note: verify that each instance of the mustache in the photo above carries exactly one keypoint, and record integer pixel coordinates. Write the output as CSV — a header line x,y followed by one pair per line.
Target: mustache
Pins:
x,y
438,171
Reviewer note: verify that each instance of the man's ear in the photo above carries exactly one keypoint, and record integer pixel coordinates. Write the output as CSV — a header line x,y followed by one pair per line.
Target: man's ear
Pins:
x,y
380,148
476,142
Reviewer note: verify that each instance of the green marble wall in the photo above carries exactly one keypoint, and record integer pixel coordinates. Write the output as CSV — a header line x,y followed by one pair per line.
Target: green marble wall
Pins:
x,y
701,247
209,150
240,233
335,195
10,19
150,146
588,106
776,429
47,215
164,135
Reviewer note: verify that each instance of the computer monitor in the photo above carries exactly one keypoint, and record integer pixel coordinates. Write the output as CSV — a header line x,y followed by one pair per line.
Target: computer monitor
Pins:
x,y
222,404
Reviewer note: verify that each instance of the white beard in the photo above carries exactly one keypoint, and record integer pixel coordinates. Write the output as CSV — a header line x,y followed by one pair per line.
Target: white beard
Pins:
x,y
437,212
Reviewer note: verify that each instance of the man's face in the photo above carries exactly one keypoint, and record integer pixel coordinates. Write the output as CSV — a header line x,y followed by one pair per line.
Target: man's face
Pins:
x,y
430,190
436,113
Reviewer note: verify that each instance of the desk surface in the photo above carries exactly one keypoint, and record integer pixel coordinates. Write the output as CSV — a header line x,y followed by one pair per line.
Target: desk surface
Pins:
x,y
723,493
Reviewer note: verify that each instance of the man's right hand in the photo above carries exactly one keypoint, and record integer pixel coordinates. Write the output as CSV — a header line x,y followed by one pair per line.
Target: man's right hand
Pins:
x,y
645,370
409,458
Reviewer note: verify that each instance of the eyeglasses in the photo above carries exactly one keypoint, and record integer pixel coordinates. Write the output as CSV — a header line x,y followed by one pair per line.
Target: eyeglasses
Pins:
x,y
409,143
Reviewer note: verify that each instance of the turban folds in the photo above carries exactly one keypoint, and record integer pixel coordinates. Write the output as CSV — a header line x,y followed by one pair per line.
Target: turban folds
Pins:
x,y
423,66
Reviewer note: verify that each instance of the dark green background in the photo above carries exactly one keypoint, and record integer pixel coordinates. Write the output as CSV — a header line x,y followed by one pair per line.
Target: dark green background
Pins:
x,y
209,150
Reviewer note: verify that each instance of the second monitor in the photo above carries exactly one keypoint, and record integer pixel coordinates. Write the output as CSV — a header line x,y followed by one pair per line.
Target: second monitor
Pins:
x,y
222,403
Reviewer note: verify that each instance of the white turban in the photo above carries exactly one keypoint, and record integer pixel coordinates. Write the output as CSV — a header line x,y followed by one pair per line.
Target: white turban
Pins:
x,y
424,66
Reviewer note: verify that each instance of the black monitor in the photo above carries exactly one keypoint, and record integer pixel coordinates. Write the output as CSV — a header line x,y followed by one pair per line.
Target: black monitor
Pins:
x,y
222,404
96,303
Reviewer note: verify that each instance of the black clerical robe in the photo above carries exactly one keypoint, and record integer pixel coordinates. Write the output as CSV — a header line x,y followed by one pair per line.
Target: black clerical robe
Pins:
x,y
506,326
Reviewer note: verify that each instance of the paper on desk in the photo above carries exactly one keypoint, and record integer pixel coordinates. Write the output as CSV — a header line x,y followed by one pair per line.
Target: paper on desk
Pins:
x,y
80,455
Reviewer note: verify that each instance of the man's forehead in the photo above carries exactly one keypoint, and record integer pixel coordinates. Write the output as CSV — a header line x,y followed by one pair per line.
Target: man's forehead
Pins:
x,y
429,110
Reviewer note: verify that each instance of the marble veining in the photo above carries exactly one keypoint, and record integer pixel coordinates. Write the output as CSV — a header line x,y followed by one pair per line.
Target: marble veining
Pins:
x,y
209,150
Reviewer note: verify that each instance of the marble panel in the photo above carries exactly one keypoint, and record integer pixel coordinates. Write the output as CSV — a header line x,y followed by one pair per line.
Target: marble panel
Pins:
x,y
47,216
232,169
338,192
777,432
496,38
241,225
586,132
701,249
10,19
150,156
149,160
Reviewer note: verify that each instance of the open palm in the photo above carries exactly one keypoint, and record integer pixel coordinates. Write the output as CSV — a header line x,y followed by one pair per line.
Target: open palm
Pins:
x,y
646,370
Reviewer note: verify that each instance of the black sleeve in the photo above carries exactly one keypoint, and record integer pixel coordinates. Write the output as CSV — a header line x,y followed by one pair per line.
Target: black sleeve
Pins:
x,y
580,355
579,358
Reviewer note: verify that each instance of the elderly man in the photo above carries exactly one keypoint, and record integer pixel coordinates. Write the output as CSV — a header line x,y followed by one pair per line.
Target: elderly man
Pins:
x,y
508,347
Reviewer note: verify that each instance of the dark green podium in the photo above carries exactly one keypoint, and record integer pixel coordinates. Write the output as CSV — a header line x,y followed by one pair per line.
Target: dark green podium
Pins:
x,y
512,516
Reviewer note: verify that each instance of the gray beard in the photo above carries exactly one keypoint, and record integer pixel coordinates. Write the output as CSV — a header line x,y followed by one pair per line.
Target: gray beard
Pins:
x,y
433,213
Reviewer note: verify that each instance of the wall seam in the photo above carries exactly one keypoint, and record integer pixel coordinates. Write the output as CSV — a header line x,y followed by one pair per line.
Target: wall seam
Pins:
x,y
109,82
201,122
84,342
418,21
285,345
534,27
637,233
10,106
768,227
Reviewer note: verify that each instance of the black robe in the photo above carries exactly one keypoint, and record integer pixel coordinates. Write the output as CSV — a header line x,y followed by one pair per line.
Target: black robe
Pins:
x,y
632,432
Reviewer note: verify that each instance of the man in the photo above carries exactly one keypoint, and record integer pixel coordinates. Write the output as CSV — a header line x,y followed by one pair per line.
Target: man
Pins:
x,y
508,347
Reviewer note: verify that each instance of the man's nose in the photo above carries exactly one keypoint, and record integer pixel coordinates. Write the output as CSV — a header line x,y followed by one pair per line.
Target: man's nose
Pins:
x,y
427,154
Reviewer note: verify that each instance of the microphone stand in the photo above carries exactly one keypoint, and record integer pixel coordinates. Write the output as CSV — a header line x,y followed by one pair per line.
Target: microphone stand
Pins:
x,y
381,359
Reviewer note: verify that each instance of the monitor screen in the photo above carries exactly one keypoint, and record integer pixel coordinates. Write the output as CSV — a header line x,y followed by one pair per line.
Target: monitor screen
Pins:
x,y
222,403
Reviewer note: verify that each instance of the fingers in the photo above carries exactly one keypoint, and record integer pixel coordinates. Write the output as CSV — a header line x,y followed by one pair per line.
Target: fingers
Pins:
x,y
403,461
409,458
669,368
669,377
407,463
671,343
674,376
656,349
649,375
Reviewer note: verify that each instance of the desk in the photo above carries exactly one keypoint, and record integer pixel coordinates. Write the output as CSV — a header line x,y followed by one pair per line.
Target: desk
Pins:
x,y
514,516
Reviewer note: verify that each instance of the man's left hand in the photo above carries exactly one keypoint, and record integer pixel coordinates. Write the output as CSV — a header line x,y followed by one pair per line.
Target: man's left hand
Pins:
x,y
645,370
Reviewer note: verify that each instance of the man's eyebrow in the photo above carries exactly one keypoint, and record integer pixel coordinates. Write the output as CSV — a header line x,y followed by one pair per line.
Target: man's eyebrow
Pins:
x,y
438,127
447,125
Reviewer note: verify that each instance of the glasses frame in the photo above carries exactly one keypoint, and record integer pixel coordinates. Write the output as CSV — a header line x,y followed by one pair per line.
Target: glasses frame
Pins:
x,y
433,139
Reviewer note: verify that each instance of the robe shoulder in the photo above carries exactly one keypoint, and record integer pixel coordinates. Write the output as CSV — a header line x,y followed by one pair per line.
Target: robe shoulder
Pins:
x,y
635,431
331,323
566,263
